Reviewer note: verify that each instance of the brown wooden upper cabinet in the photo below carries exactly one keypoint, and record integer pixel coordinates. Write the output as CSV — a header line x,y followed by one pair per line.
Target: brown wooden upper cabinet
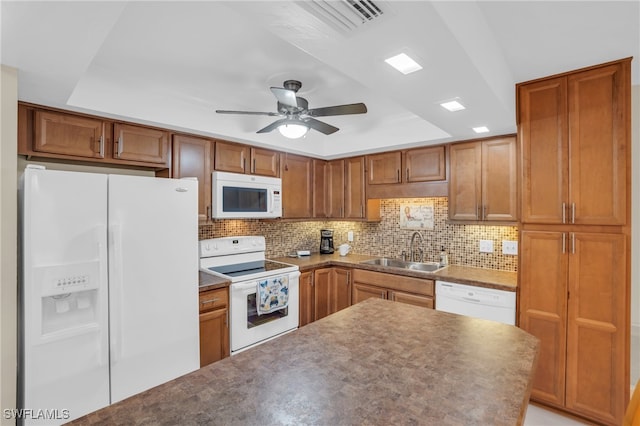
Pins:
x,y
67,134
193,157
297,186
339,190
569,128
51,133
142,144
328,188
414,165
483,182
237,158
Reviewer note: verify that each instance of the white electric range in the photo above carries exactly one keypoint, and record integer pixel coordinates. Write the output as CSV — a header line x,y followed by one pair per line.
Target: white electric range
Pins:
x,y
242,261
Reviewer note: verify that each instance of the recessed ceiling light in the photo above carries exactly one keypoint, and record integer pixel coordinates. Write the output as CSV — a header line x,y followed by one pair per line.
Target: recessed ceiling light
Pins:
x,y
403,63
452,106
481,129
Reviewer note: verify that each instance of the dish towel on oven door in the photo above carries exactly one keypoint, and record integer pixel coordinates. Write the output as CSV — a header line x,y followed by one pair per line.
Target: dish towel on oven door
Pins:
x,y
273,294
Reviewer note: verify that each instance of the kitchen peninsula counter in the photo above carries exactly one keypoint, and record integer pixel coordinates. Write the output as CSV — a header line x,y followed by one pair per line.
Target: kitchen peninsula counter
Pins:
x,y
376,362
480,277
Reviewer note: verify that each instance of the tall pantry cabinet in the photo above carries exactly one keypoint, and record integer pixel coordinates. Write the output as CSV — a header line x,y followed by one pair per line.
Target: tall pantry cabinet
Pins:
x,y
574,144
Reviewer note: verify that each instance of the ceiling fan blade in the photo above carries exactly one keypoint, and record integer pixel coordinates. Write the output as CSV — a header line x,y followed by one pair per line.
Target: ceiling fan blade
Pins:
x,y
270,114
359,108
320,126
285,96
273,126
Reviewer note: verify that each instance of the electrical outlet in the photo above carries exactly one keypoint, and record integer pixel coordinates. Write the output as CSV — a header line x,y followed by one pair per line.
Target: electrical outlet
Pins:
x,y
486,246
509,247
350,236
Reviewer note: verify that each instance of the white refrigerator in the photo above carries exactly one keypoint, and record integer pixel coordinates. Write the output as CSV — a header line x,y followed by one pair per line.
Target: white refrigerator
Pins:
x,y
108,289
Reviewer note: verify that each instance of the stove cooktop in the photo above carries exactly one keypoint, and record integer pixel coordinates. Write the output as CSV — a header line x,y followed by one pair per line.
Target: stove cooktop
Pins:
x,y
250,270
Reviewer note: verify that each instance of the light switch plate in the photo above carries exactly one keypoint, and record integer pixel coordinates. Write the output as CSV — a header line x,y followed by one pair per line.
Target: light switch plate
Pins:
x,y
486,246
350,236
509,247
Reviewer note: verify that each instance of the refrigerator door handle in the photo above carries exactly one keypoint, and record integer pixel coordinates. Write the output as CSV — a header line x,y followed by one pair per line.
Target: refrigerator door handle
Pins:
x,y
103,267
115,293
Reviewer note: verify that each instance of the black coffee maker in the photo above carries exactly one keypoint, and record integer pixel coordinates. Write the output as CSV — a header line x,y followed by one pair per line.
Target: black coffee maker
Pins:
x,y
326,241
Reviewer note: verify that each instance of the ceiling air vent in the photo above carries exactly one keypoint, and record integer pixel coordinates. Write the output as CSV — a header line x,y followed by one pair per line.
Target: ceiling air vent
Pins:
x,y
346,15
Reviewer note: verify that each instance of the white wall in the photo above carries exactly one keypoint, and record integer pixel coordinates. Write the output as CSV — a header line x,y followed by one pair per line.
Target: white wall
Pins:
x,y
8,238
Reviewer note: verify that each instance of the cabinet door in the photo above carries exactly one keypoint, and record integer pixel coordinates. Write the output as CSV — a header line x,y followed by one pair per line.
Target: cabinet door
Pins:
x,y
140,144
297,186
364,291
598,142
341,289
465,184
543,308
307,298
214,336
68,134
411,299
499,177
332,288
231,157
355,204
543,133
335,196
322,292
424,164
384,168
320,189
193,157
265,162
597,380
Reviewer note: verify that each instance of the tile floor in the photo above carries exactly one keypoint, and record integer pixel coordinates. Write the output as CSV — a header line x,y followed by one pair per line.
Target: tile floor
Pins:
x,y
538,416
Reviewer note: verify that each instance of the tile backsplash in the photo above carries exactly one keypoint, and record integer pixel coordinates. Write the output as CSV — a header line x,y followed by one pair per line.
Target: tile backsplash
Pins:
x,y
385,238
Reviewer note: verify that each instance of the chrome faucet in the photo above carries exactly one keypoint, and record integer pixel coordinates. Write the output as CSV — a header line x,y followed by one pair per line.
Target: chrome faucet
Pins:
x,y
416,255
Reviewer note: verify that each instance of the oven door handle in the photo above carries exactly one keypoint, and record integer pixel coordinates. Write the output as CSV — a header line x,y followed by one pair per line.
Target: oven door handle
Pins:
x,y
246,287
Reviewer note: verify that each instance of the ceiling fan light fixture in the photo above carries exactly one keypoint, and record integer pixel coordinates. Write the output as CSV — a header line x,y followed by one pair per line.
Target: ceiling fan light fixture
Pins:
x,y
293,130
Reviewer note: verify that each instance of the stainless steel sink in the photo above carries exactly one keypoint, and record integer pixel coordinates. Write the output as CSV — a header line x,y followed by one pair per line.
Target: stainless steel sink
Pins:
x,y
402,264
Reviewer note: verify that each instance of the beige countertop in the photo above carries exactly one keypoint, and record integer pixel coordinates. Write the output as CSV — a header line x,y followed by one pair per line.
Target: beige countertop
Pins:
x,y
376,362
489,278
211,282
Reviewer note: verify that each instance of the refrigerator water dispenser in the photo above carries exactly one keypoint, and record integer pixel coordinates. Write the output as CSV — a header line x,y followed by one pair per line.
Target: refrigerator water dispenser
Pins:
x,y
69,297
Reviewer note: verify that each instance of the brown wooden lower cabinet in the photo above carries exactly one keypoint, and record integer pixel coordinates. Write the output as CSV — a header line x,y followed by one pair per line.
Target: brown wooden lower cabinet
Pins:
x,y
323,292
414,291
214,325
574,298
307,298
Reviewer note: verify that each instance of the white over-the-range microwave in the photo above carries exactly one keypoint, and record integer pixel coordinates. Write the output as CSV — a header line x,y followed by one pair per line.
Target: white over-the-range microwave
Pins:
x,y
238,196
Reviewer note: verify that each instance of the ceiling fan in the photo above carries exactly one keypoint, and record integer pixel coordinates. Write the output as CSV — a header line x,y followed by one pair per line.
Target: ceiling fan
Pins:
x,y
297,118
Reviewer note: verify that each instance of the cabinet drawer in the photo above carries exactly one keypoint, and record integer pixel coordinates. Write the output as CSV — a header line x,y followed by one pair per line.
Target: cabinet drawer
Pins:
x,y
395,282
411,299
213,299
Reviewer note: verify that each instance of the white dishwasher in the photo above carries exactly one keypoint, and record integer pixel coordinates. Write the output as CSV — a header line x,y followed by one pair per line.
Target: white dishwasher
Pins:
x,y
477,302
